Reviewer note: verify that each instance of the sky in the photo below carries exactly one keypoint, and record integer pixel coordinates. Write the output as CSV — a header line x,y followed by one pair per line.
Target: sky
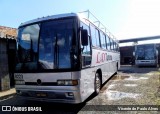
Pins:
x,y
123,18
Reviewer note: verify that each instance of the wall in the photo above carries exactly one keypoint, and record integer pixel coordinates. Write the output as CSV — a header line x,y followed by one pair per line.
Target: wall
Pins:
x,y
7,62
8,32
4,71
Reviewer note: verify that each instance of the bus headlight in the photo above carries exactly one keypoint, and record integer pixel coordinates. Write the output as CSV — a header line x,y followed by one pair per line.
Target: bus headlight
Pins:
x,y
19,82
67,82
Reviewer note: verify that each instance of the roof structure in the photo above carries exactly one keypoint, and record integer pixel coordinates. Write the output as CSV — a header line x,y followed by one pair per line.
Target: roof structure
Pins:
x,y
139,39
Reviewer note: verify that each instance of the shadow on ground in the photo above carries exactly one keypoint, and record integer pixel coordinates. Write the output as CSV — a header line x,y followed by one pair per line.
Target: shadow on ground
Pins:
x,y
135,69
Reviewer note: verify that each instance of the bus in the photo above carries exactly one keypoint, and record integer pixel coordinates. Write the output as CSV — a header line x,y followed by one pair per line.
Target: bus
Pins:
x,y
63,58
146,55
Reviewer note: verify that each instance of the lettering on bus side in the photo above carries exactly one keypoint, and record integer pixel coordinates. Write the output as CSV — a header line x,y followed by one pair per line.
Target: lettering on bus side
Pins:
x,y
102,57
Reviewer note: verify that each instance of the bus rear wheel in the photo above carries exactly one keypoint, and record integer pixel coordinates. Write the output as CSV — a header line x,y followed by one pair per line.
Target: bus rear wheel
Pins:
x,y
97,83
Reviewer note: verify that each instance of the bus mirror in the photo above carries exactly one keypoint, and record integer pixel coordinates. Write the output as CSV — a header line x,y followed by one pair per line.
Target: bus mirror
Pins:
x,y
84,37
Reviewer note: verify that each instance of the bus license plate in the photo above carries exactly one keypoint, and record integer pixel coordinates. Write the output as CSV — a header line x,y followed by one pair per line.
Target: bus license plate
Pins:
x,y
41,95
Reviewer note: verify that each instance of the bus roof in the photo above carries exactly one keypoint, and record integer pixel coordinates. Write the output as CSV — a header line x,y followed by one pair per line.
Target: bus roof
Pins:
x,y
48,18
58,16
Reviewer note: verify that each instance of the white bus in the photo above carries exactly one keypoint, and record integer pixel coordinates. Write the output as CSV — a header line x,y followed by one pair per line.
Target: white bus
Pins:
x,y
63,58
146,55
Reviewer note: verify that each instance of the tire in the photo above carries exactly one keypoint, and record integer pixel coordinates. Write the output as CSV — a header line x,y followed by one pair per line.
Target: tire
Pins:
x,y
97,84
116,69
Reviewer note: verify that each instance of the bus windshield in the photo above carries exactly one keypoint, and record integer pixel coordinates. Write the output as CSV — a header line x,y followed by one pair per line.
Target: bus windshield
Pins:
x,y
47,45
145,52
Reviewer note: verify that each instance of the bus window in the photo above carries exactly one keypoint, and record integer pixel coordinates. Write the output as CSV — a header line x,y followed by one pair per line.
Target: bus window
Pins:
x,y
103,40
108,42
118,47
95,37
55,44
86,50
111,44
114,45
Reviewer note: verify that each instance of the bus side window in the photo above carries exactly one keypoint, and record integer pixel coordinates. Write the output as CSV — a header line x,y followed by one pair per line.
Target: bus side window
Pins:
x,y
108,42
103,40
95,36
114,45
117,47
86,50
111,44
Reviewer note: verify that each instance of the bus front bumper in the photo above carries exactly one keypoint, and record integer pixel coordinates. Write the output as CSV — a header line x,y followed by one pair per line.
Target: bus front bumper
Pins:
x,y
52,94
146,63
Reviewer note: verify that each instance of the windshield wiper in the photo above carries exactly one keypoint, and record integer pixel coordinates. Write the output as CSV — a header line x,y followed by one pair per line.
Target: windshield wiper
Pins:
x,y
56,53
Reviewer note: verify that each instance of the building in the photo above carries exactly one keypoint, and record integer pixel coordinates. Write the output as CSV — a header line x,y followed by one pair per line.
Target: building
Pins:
x,y
126,54
7,56
8,32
